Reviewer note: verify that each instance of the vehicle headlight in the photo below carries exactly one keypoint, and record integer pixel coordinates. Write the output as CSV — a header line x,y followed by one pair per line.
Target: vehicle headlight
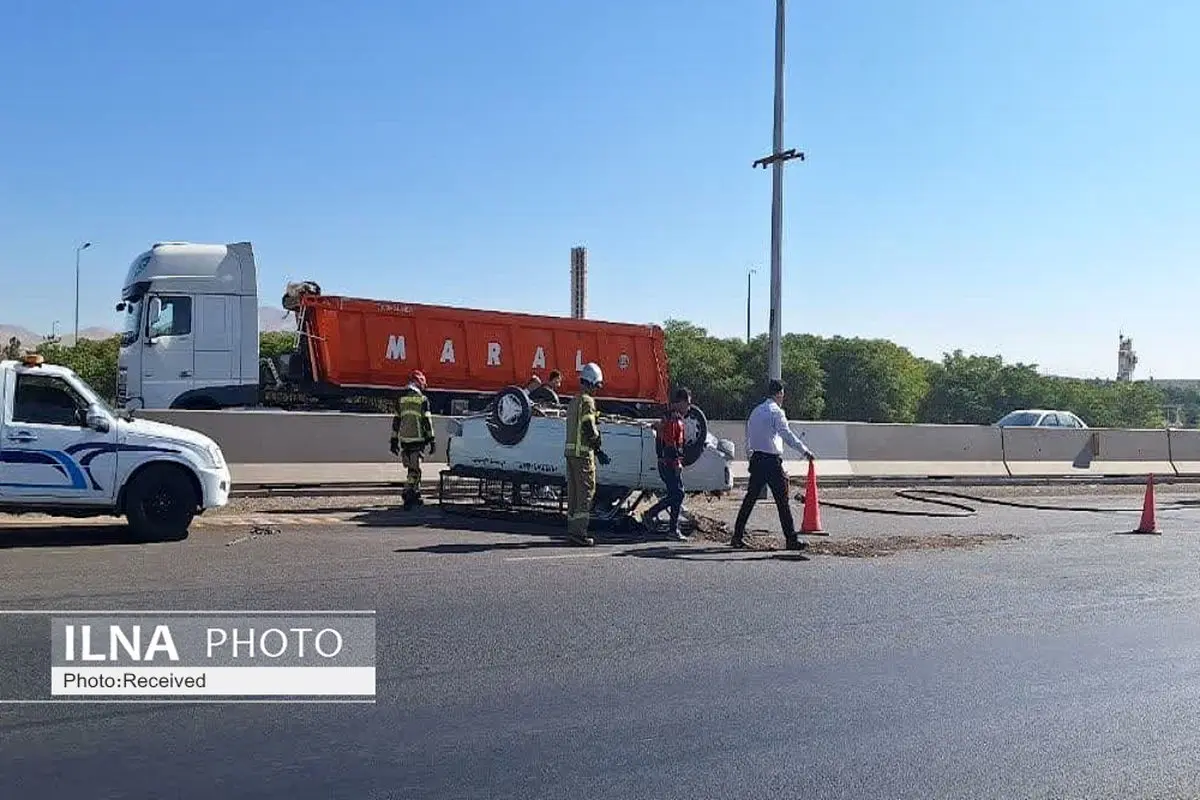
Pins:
x,y
214,452
209,454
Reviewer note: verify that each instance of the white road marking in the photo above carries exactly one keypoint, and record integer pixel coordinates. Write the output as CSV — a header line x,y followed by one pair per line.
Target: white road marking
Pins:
x,y
558,557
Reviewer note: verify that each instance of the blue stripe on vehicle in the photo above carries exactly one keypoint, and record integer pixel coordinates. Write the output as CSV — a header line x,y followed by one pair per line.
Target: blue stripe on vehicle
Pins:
x,y
30,457
79,472
93,449
58,459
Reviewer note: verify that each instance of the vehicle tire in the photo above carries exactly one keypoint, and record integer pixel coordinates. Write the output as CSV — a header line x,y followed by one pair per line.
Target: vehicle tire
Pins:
x,y
509,418
160,504
695,426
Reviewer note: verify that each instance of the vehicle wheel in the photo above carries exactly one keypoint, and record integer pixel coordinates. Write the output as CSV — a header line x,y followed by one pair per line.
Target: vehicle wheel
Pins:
x,y
510,415
160,504
695,435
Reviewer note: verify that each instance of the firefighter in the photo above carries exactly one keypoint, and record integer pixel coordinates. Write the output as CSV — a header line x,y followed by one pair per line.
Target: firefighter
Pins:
x,y
582,452
412,433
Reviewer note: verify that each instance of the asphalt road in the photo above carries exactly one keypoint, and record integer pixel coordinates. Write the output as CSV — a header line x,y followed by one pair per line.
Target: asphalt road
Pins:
x,y
1062,663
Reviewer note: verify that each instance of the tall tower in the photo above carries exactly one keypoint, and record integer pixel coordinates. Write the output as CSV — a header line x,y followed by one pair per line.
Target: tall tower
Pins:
x,y
578,282
1126,359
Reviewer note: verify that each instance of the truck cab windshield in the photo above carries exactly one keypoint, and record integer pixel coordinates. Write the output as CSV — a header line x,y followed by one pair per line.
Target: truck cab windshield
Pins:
x,y
132,321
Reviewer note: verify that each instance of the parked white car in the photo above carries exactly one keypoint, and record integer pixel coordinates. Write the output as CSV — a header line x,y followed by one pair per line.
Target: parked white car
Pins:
x,y
516,440
1040,418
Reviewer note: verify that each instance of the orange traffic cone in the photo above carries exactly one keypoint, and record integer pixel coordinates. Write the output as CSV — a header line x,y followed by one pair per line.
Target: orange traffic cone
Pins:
x,y
1148,524
812,506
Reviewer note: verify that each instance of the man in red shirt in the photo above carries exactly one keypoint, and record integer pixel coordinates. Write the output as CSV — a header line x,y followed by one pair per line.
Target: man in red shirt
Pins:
x,y
669,442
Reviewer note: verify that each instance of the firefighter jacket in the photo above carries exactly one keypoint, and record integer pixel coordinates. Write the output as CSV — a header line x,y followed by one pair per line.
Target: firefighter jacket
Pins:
x,y
412,422
583,430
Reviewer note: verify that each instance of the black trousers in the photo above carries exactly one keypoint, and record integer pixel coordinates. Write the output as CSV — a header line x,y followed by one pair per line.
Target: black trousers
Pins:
x,y
766,470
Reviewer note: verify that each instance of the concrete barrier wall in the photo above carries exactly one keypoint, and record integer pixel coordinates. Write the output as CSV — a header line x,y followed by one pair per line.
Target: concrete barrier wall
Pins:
x,y
260,437
925,451
1030,452
855,449
1185,451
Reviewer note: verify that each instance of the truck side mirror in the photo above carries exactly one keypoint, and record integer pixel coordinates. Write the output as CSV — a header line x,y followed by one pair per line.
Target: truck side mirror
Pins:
x,y
95,418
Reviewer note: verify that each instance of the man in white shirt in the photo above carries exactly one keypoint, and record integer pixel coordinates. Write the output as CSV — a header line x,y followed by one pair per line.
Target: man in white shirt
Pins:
x,y
766,432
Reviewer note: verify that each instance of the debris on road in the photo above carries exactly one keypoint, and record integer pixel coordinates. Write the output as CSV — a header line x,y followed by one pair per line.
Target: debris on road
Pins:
x,y
255,532
715,530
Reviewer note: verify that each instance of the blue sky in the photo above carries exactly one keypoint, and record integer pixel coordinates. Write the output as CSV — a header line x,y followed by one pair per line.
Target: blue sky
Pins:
x,y
1015,178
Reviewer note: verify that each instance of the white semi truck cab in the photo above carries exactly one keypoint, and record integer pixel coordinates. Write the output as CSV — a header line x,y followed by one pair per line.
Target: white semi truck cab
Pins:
x,y
65,452
190,338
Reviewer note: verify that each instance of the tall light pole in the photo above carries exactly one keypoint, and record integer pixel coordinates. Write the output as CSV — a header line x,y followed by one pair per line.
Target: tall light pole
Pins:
x,y
775,160
748,274
78,250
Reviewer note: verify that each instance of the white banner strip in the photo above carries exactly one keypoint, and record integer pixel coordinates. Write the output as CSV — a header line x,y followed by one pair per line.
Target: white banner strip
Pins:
x,y
201,681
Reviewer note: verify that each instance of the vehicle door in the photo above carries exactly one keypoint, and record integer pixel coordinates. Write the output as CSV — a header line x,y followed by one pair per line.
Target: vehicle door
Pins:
x,y
168,355
215,327
49,453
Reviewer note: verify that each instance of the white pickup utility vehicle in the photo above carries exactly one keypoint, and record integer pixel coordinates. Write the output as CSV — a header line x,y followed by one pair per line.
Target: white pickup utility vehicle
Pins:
x,y
65,452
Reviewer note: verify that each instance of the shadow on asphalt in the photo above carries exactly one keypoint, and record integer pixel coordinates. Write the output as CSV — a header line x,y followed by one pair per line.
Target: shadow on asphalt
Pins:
x,y
551,532
685,553
469,548
14,537
553,537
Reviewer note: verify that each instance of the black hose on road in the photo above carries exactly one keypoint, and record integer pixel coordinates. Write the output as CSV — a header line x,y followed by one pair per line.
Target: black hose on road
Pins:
x,y
963,510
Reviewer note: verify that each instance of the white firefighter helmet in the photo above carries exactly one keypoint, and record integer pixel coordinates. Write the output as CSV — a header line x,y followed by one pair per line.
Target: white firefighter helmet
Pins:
x,y
591,375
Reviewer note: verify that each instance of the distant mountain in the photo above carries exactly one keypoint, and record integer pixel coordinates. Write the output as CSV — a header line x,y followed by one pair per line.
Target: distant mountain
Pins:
x,y
275,319
29,338
269,319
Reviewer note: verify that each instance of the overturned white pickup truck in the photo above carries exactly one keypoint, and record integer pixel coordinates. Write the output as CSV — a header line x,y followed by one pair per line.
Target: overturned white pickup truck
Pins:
x,y
524,443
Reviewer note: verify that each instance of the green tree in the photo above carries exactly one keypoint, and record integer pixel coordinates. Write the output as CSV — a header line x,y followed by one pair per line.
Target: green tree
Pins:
x,y
978,390
800,370
276,343
872,380
709,366
1188,399
95,360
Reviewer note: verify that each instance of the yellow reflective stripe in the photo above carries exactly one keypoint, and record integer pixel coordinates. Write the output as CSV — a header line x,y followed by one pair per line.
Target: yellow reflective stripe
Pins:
x,y
579,434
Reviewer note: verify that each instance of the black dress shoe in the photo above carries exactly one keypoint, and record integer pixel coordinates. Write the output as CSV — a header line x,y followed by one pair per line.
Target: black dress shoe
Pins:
x,y
792,543
737,543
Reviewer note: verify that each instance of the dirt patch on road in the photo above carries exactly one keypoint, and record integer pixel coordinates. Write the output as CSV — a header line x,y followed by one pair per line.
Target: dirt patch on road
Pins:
x,y
875,546
714,530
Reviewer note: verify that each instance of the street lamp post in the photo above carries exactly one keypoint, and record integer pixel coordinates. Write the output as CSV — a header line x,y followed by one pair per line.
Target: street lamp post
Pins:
x,y
748,274
775,160
78,250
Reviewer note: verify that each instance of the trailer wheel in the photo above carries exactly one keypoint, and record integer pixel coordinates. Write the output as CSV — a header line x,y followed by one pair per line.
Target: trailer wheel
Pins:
x,y
695,435
510,415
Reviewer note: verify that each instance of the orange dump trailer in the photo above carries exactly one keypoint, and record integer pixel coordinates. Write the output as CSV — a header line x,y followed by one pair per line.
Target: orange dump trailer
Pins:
x,y
359,345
